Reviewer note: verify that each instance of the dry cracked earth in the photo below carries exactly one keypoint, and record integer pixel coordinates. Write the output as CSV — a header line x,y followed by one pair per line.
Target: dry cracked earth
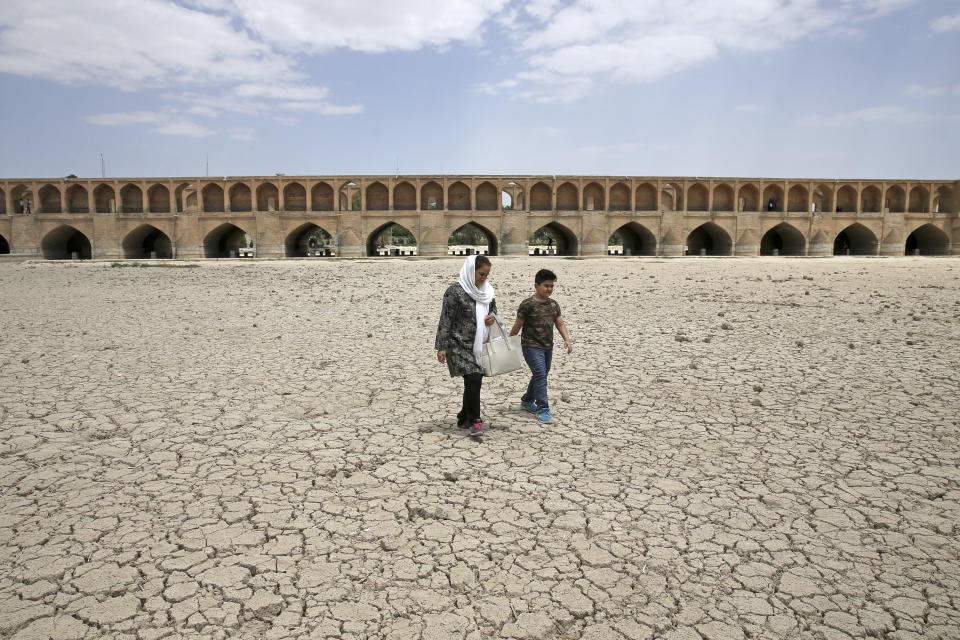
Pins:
x,y
755,448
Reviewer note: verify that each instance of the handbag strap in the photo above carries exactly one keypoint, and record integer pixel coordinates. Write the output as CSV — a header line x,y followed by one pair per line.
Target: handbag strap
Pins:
x,y
502,330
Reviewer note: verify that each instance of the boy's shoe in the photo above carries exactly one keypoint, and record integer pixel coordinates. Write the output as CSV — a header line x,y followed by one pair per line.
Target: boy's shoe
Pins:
x,y
544,415
530,406
476,429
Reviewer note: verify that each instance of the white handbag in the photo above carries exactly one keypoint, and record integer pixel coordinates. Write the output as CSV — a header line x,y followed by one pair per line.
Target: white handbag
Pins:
x,y
501,353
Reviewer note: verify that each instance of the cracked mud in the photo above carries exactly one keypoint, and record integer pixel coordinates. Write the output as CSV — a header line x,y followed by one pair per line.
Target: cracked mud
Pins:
x,y
757,448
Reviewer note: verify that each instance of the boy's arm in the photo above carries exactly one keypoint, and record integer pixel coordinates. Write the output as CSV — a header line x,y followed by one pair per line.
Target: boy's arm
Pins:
x,y
563,331
516,326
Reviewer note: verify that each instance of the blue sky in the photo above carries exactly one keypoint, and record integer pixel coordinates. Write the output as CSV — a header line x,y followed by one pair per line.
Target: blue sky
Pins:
x,y
768,88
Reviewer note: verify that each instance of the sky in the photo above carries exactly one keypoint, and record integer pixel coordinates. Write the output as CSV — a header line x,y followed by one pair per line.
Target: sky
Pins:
x,y
754,88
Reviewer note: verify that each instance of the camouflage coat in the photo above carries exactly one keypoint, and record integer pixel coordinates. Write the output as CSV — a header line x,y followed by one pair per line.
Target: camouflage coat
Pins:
x,y
457,330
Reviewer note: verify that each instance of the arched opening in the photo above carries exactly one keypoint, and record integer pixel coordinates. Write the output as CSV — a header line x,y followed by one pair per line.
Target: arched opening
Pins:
x,y
797,198
773,198
855,240
506,201
49,199
294,197
487,197
212,197
350,196
846,198
66,243
517,196
646,197
723,198
927,240
378,197
310,241
77,200
633,239
4,246
593,199
431,196
782,240
391,239
942,200
568,197
240,198
748,198
321,196
671,197
697,198
131,199
20,196
709,239
146,241
458,197
896,200
268,196
619,197
158,199
470,239
225,241
404,197
181,195
541,198
553,239
870,200
919,199
3,202
822,198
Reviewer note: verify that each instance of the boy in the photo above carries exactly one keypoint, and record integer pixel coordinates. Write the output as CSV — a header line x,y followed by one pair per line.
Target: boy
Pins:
x,y
537,315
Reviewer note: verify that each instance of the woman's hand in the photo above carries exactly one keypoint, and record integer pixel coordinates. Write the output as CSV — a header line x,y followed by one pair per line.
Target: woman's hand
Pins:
x,y
442,356
489,320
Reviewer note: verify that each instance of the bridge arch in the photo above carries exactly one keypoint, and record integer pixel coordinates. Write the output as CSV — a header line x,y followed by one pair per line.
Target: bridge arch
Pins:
x,y
896,200
471,233
147,241
927,240
723,198
541,197
321,197
748,198
294,197
77,199
350,199
158,199
646,197
620,197
671,197
65,242
855,240
4,246
240,198
785,239
486,196
309,238
565,241
378,197
267,197
431,196
870,200
822,198
593,199
131,199
393,228
697,198
773,198
404,197
846,198
637,240
709,239
919,199
568,197
942,200
224,241
797,198
212,196
18,193
104,198
49,199
458,197
3,202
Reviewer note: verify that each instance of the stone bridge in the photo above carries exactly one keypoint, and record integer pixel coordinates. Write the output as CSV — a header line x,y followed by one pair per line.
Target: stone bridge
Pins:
x,y
191,218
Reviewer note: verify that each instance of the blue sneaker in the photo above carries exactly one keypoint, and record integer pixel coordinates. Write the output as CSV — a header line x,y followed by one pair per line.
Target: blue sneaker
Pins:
x,y
543,415
530,405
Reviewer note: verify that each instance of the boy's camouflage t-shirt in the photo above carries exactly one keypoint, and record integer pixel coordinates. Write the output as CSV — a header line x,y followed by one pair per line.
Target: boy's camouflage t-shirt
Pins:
x,y
538,321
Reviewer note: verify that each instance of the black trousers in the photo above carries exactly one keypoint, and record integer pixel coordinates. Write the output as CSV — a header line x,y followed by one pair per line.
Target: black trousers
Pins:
x,y
470,410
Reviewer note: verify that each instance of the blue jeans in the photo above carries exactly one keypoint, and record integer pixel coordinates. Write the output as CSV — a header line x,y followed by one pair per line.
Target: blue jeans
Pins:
x,y
539,362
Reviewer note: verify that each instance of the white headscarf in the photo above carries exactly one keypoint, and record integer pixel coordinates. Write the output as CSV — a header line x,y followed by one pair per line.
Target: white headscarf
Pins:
x,y
483,295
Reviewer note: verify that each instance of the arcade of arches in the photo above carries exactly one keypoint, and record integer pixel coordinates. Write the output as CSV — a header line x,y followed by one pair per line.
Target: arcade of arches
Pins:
x,y
308,216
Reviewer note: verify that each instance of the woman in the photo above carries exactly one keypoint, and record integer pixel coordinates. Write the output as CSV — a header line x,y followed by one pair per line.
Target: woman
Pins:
x,y
468,308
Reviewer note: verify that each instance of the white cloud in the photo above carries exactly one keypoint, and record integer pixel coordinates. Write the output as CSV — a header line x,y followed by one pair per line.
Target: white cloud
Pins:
x,y
876,115
184,128
927,92
946,23
124,118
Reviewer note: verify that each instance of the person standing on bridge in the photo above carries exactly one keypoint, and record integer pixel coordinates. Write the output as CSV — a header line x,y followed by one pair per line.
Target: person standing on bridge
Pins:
x,y
465,319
